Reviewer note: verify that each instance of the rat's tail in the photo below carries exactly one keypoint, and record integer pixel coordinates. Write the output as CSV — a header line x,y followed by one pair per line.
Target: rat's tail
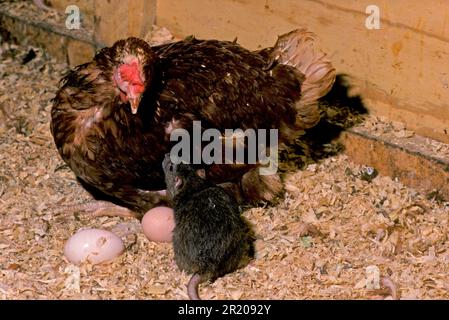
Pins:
x,y
192,286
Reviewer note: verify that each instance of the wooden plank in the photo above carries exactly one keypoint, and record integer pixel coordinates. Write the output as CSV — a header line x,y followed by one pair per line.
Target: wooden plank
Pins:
x,y
117,19
64,49
79,52
70,46
431,17
30,34
414,168
401,70
86,6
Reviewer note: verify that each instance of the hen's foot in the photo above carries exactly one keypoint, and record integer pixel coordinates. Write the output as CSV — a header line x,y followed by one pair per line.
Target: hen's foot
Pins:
x,y
101,208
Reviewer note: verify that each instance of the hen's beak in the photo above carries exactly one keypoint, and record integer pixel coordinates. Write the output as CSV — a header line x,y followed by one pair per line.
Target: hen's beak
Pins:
x,y
134,102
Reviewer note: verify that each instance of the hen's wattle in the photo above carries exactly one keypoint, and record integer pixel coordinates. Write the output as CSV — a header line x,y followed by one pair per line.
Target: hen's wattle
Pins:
x,y
219,83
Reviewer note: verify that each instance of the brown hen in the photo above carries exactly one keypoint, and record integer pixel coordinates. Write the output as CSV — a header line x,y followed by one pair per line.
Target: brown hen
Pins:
x,y
112,117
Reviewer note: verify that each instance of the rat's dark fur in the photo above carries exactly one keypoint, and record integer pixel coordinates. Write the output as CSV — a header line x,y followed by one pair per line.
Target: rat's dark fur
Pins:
x,y
210,238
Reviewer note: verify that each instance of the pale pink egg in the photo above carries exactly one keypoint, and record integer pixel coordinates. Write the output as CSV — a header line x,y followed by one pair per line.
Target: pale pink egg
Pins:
x,y
158,224
94,246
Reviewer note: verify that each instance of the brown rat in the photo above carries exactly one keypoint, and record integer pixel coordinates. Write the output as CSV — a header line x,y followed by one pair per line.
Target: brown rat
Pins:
x,y
210,238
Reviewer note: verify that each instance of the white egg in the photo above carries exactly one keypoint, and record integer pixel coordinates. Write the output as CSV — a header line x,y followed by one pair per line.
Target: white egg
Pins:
x,y
158,224
94,246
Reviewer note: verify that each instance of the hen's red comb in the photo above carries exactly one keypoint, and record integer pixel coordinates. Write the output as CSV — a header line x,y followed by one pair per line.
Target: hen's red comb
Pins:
x,y
130,73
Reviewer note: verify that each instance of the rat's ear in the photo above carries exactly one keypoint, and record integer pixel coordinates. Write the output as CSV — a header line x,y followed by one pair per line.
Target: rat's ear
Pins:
x,y
201,173
178,182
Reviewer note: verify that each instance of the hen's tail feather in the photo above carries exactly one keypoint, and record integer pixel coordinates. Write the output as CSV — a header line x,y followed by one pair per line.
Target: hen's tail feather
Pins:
x,y
297,49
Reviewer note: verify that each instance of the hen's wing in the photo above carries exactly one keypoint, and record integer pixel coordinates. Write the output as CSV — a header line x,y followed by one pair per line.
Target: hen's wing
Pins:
x,y
224,86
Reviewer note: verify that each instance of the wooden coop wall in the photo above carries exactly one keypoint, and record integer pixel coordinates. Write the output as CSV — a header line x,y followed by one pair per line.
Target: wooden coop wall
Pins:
x,y
114,19
102,23
401,71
